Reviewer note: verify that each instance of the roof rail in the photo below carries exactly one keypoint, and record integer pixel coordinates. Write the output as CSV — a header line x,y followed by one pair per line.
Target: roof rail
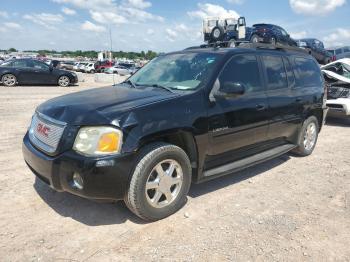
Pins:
x,y
272,47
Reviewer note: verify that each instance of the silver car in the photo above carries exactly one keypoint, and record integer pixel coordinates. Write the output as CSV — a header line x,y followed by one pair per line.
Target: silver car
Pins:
x,y
340,52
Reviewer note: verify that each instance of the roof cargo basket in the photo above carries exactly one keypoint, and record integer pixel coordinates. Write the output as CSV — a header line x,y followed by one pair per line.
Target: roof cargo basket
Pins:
x,y
272,47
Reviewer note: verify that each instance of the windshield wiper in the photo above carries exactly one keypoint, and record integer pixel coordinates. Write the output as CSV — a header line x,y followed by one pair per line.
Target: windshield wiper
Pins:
x,y
129,82
162,87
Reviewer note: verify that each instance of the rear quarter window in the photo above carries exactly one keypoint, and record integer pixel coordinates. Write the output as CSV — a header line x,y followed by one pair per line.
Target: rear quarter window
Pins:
x,y
308,72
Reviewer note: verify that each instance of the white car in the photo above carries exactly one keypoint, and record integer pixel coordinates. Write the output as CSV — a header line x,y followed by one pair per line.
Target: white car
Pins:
x,y
120,70
89,68
337,76
81,66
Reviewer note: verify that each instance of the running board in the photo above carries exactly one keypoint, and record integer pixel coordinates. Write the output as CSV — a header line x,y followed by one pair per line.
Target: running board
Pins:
x,y
249,161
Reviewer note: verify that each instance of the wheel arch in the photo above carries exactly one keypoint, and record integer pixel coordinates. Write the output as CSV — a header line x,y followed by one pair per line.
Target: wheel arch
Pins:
x,y
181,138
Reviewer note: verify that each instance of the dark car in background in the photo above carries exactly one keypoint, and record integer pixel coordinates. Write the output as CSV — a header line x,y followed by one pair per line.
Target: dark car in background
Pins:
x,y
34,72
269,33
316,48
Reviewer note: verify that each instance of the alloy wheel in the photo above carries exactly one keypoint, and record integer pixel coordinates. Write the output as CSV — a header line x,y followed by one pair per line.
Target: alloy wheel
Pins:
x,y
310,136
8,80
63,81
164,183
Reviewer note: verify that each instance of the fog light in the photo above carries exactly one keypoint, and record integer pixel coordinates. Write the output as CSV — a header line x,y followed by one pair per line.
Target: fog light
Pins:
x,y
78,181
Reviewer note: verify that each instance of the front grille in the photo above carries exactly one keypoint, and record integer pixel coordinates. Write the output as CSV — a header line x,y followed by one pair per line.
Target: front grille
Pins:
x,y
335,106
338,92
45,133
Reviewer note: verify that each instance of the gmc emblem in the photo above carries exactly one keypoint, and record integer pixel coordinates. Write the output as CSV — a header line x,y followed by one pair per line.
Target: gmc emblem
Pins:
x,y
43,130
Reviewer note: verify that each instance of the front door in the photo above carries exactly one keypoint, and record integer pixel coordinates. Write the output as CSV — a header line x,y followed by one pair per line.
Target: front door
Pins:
x,y
239,122
41,73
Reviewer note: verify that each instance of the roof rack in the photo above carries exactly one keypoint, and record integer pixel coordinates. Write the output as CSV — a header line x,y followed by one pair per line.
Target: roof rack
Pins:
x,y
272,47
252,46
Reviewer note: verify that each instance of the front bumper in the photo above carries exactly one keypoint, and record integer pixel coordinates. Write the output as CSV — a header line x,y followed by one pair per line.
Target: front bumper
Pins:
x,y
100,182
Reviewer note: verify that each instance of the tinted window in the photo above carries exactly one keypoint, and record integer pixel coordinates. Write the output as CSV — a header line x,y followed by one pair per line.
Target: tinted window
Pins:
x,y
308,72
275,72
40,65
243,69
20,63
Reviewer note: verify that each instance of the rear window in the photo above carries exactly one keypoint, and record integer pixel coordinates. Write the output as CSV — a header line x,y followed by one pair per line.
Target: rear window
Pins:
x,y
275,72
308,72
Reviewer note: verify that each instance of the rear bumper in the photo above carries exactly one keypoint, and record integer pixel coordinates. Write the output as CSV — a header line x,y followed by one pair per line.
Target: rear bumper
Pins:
x,y
100,182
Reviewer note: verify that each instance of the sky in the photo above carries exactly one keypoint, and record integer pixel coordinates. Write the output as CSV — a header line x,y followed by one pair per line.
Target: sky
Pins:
x,y
158,25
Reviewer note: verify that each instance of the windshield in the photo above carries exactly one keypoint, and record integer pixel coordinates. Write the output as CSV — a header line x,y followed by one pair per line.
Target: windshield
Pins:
x,y
177,71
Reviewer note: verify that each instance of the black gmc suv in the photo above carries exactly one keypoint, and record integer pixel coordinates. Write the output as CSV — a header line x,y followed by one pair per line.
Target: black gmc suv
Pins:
x,y
187,116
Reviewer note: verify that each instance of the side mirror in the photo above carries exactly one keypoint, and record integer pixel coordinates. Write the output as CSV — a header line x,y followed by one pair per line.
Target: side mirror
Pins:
x,y
51,67
229,89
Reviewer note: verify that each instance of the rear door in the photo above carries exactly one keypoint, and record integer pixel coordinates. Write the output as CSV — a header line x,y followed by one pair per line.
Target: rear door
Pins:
x,y
283,103
240,122
23,70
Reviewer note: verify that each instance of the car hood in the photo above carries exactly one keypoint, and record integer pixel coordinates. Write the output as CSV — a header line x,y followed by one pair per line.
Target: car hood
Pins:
x,y
100,105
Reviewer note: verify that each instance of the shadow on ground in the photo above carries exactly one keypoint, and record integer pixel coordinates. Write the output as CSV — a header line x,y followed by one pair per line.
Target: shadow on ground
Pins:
x,y
338,121
95,214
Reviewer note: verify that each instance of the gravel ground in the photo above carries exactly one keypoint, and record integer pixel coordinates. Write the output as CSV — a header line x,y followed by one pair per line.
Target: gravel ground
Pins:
x,y
287,209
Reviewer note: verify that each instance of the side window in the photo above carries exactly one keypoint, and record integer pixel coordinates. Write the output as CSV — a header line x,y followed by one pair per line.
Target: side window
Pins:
x,y
308,71
290,73
40,65
243,69
275,72
20,63
346,49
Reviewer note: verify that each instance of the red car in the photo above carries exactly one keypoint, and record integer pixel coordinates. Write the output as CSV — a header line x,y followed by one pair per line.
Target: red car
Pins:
x,y
102,65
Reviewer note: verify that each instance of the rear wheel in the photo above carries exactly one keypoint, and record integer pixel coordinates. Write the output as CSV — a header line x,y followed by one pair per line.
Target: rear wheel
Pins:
x,y
254,39
308,137
160,182
273,41
8,80
63,81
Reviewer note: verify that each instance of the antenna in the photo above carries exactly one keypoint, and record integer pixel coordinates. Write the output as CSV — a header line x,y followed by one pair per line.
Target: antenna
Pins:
x,y
111,57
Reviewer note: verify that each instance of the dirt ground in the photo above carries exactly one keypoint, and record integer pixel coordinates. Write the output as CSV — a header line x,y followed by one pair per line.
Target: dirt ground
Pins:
x,y
287,209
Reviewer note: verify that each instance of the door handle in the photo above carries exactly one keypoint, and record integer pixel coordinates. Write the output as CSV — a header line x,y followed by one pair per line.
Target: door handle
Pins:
x,y
260,107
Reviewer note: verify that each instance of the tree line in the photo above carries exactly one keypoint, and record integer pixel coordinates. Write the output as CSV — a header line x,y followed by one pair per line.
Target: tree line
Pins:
x,y
92,54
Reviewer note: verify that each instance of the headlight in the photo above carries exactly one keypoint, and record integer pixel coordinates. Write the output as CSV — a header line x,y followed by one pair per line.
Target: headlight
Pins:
x,y
95,141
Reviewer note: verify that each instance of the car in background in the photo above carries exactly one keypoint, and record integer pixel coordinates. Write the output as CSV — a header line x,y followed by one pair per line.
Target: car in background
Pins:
x,y
90,68
134,69
67,65
316,48
269,33
119,70
340,52
34,72
101,66
232,32
81,66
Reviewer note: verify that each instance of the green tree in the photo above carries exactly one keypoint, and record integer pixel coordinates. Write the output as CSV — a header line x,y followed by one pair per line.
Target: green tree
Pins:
x,y
12,49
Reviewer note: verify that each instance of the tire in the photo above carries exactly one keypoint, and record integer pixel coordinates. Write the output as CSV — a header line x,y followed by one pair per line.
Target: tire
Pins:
x,y
254,39
63,81
92,71
152,204
273,41
9,80
304,148
232,43
217,34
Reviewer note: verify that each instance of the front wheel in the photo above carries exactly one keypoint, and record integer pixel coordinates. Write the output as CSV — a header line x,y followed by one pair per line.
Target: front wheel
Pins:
x,y
63,81
160,182
9,80
307,137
